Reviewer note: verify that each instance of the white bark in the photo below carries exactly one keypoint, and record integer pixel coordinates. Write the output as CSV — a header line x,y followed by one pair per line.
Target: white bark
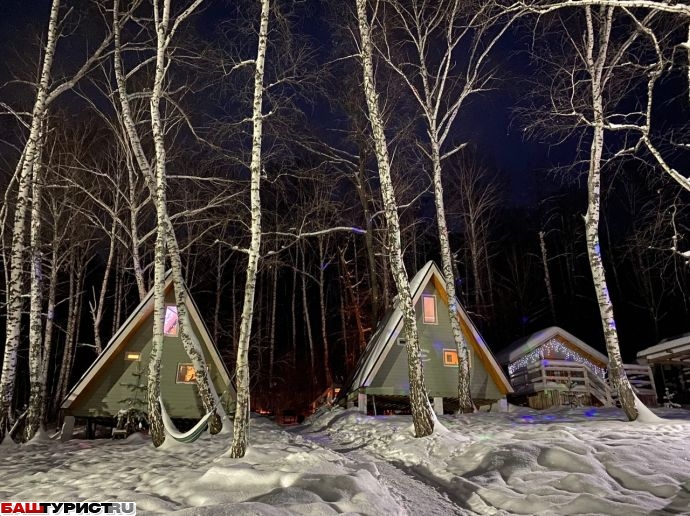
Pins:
x,y
156,182
241,423
36,359
422,413
595,63
15,283
322,305
97,307
547,276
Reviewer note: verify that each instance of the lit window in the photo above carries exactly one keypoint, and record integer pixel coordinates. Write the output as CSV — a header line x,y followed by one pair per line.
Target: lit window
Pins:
x,y
429,309
186,373
450,358
170,324
132,356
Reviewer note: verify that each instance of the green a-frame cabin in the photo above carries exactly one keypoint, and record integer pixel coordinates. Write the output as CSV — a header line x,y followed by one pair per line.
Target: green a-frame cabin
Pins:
x,y
381,377
117,378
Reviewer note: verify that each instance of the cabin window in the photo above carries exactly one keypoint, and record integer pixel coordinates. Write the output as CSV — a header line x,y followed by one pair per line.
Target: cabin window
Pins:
x,y
450,358
132,356
170,324
186,373
429,309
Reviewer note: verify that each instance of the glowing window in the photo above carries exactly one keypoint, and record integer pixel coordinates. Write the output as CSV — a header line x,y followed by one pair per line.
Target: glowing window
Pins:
x,y
186,373
170,324
132,356
429,309
450,358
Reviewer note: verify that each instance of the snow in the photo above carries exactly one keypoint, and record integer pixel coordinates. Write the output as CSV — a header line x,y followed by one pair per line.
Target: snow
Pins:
x,y
568,461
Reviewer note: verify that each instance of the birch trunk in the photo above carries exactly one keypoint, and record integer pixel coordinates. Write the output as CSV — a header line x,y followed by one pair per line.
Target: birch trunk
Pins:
x,y
15,283
134,232
547,276
322,305
50,321
596,66
464,393
241,423
36,390
293,303
272,337
307,321
71,335
97,309
422,414
156,183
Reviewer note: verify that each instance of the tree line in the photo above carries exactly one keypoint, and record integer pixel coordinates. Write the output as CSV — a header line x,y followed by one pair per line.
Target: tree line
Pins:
x,y
295,181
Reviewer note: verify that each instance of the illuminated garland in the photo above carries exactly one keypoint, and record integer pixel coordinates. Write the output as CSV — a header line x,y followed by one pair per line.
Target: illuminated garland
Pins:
x,y
554,345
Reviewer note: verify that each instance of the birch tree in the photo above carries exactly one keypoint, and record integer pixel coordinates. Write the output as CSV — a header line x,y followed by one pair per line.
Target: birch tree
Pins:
x,y
155,178
438,50
422,415
24,172
240,435
610,62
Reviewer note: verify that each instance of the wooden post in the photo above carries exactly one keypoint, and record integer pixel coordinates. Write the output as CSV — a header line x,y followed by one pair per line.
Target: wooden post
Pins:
x,y
362,403
438,405
67,428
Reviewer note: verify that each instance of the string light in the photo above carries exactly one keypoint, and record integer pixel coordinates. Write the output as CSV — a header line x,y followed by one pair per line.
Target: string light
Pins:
x,y
550,347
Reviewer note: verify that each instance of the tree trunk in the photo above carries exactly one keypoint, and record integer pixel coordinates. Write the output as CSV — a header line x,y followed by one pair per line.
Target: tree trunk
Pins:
x,y
596,65
15,284
293,303
241,423
307,321
464,393
36,401
422,414
322,305
50,320
547,276
156,182
97,309
272,337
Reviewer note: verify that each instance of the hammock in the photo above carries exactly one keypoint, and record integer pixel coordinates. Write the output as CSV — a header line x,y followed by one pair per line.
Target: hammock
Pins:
x,y
189,436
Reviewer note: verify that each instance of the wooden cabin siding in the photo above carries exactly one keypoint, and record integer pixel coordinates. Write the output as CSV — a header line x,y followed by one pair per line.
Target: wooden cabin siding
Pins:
x,y
441,380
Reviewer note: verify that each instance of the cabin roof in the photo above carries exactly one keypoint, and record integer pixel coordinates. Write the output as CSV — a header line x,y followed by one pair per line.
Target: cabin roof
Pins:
x,y
673,350
527,344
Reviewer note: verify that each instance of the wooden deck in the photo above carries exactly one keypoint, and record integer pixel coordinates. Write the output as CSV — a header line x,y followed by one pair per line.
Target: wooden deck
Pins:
x,y
549,383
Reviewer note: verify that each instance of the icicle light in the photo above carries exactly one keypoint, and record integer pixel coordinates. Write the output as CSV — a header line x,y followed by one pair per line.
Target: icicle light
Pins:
x,y
553,346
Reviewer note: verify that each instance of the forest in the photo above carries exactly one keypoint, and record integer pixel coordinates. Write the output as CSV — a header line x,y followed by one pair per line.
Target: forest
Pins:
x,y
294,163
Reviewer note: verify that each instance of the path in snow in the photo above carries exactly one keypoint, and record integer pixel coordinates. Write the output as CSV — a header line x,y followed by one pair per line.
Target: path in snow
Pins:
x,y
417,497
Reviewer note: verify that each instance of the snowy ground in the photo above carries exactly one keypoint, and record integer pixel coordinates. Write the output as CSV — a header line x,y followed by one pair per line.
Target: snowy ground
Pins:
x,y
578,461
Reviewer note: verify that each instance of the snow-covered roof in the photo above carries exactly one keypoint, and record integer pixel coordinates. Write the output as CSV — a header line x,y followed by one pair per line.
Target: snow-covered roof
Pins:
x,y
141,312
674,350
525,345
384,337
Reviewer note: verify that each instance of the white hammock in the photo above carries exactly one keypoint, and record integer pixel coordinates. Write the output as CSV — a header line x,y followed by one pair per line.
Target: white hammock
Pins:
x,y
189,436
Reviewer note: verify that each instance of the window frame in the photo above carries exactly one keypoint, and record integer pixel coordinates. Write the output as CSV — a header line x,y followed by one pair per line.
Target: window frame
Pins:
x,y
177,373
177,321
424,315
457,357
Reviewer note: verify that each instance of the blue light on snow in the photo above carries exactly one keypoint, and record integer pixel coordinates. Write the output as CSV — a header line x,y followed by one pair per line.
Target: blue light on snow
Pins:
x,y
590,413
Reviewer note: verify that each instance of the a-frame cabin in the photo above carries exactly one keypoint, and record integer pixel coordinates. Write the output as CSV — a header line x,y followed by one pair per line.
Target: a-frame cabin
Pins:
x,y
380,381
117,379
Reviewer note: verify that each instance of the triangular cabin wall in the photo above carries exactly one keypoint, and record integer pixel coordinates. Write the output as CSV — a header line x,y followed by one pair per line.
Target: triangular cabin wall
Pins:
x,y
440,379
108,391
